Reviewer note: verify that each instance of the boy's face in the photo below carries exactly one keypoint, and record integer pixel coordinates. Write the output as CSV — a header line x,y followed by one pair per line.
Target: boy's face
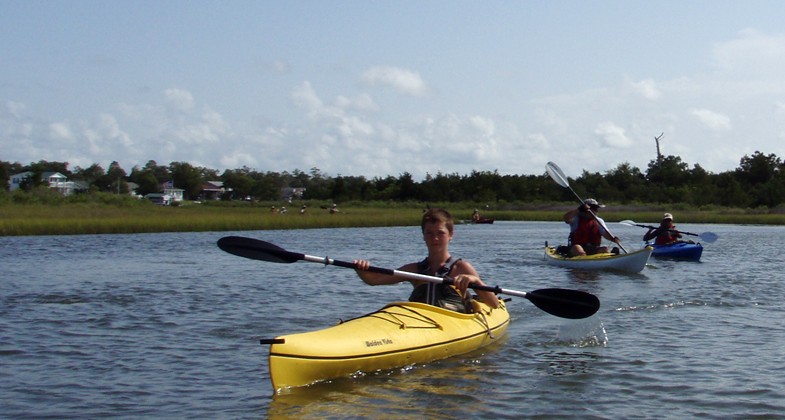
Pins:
x,y
436,233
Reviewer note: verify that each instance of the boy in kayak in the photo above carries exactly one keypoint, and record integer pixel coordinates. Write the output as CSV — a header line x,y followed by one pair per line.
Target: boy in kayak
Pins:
x,y
665,233
437,230
587,229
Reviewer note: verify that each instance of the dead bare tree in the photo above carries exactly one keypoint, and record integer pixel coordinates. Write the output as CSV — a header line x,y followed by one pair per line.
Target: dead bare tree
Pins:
x,y
659,155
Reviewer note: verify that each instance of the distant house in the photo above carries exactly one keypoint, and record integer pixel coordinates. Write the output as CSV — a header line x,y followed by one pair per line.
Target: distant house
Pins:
x,y
212,190
55,180
132,186
158,198
291,193
175,194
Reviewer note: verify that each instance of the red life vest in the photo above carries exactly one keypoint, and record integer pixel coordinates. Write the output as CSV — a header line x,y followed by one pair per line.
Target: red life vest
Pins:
x,y
667,237
588,232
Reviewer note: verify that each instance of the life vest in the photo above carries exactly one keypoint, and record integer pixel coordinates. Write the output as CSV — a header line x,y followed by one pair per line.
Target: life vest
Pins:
x,y
667,236
588,232
438,294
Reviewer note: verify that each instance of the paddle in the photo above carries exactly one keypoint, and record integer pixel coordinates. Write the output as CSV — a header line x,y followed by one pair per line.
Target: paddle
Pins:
x,y
564,303
556,173
705,236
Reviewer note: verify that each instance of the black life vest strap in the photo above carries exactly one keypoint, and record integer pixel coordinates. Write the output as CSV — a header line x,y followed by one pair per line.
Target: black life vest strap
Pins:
x,y
439,294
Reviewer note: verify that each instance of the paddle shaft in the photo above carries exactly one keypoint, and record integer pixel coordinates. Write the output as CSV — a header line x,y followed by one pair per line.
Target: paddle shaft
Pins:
x,y
409,275
265,251
669,230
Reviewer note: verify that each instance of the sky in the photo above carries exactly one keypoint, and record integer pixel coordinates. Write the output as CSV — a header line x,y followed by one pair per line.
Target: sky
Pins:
x,y
382,88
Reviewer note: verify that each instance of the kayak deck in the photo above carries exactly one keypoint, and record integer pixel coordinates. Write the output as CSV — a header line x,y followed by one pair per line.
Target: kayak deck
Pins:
x,y
400,334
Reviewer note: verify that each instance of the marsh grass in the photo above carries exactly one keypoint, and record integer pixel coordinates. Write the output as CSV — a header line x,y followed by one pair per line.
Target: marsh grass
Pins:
x,y
71,219
143,217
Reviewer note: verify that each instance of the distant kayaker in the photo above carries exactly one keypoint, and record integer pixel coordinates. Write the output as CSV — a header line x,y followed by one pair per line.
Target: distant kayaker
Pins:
x,y
665,233
476,216
437,230
586,229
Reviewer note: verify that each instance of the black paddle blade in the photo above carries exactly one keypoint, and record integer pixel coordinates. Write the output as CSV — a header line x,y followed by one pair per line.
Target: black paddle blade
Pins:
x,y
565,303
257,250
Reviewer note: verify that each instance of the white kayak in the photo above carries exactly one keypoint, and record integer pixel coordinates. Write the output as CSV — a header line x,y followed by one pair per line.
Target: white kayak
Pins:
x,y
632,262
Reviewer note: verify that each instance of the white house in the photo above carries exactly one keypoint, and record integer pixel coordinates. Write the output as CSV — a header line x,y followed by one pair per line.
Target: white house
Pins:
x,y
158,198
176,194
56,180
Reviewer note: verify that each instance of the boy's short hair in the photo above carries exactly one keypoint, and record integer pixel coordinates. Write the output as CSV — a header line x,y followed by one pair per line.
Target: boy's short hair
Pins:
x,y
437,215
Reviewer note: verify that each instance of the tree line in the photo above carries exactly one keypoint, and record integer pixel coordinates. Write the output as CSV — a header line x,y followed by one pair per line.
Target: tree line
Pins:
x,y
758,182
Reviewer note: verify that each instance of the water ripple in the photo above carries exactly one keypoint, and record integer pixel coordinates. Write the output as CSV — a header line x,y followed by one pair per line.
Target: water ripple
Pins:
x,y
168,326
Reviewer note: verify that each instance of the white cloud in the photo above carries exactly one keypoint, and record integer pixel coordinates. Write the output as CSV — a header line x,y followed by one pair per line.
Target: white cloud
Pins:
x,y
751,55
105,138
305,97
471,140
15,109
60,131
14,124
612,135
110,130
713,120
236,160
362,102
646,88
179,100
538,140
402,80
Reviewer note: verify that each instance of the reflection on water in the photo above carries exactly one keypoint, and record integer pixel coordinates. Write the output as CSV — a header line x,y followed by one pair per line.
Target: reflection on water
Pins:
x,y
563,364
585,275
441,389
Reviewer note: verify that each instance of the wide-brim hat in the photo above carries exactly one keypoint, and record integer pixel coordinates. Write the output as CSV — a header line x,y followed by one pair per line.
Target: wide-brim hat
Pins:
x,y
593,203
667,216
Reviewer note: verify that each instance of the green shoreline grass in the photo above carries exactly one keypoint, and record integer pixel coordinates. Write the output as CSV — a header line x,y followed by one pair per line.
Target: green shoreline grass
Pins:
x,y
95,218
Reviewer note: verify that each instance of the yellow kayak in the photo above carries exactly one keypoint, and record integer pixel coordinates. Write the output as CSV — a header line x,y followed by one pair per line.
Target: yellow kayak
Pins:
x,y
400,334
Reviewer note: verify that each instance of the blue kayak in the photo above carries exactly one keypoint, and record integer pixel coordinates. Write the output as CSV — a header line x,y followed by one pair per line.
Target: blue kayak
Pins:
x,y
678,251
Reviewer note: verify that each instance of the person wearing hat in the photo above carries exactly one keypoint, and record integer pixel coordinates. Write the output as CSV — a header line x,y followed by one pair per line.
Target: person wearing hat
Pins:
x,y
587,229
476,216
665,233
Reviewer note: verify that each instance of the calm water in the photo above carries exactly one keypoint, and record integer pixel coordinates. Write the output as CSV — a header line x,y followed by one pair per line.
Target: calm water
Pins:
x,y
167,325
